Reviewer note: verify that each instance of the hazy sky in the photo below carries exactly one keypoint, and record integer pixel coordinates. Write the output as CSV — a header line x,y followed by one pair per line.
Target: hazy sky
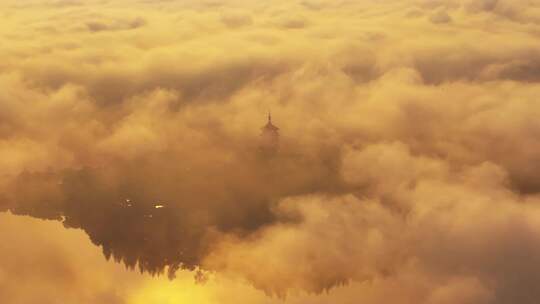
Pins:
x,y
408,169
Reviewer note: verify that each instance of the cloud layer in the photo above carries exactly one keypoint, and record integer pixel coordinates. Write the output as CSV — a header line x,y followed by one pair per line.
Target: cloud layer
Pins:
x,y
408,156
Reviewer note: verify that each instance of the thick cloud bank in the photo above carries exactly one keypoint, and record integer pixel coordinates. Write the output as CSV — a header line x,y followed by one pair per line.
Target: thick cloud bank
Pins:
x,y
408,160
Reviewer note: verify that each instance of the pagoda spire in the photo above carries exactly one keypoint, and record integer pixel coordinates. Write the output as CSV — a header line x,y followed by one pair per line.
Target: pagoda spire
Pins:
x,y
269,136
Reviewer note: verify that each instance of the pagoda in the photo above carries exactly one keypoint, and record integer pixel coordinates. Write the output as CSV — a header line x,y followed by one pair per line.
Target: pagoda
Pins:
x,y
269,136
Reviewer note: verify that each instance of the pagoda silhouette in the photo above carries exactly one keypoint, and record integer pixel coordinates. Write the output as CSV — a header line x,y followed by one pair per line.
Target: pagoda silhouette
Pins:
x,y
269,137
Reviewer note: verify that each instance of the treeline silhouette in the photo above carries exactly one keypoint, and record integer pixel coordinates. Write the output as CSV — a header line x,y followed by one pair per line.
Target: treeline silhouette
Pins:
x,y
158,217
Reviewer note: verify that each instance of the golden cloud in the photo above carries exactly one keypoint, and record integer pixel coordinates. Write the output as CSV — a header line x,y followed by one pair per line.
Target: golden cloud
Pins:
x,y
407,161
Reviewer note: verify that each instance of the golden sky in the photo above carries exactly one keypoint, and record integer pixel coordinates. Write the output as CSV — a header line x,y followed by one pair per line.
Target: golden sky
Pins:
x,y
407,171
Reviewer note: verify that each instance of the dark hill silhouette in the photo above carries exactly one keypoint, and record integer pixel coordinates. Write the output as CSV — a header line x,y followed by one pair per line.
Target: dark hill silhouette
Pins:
x,y
155,215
